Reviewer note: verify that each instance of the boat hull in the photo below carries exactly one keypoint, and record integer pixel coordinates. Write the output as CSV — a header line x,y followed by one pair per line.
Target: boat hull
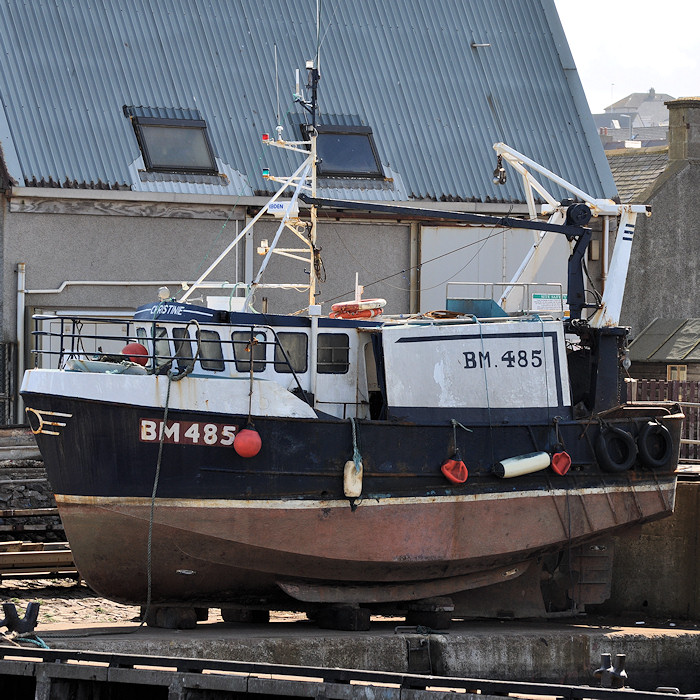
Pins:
x,y
211,552
225,529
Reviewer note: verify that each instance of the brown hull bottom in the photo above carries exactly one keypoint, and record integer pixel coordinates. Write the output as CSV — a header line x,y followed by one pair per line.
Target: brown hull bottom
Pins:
x,y
211,553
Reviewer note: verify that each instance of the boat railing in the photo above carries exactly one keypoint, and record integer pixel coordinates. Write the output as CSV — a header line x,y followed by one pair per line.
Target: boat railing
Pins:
x,y
92,338
469,297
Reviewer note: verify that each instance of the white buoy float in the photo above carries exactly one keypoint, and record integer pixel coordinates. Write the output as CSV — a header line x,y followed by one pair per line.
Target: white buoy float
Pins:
x,y
522,464
352,479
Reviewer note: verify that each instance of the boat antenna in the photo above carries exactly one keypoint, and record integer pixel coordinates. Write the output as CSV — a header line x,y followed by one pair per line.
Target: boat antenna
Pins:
x,y
311,107
318,37
279,128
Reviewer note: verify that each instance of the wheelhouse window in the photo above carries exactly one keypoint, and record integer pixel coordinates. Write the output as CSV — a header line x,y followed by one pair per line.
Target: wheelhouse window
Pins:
x,y
183,349
333,355
295,347
249,347
346,151
210,355
173,144
160,344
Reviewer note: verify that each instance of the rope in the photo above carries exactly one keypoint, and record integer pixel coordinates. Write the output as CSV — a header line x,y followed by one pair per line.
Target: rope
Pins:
x,y
546,373
356,456
455,424
185,339
149,572
486,383
251,346
34,640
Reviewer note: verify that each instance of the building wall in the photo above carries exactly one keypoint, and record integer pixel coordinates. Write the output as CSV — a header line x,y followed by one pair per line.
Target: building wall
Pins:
x,y
452,256
168,242
378,252
61,247
664,274
658,370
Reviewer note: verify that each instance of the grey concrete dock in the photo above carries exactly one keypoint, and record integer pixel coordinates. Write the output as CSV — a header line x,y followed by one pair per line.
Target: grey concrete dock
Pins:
x,y
552,652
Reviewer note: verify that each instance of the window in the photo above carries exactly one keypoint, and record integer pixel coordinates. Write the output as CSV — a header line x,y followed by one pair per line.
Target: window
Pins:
x,y
295,346
161,346
183,349
210,355
178,143
676,373
346,151
244,351
333,353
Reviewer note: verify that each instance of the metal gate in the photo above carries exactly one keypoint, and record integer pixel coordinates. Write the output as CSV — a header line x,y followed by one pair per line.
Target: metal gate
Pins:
x,y
8,383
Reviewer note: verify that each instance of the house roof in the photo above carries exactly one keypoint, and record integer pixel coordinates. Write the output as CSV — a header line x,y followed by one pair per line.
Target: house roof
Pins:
x,y
636,169
634,100
668,340
438,84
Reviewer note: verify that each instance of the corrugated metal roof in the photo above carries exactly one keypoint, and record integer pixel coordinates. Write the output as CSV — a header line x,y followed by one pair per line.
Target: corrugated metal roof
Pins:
x,y
438,82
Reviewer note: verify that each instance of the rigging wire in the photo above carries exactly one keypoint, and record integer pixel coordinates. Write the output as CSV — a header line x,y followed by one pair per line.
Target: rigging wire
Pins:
x,y
481,241
240,194
328,26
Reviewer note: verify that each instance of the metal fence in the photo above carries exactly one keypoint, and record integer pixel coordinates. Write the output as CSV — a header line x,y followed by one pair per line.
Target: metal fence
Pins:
x,y
8,383
687,394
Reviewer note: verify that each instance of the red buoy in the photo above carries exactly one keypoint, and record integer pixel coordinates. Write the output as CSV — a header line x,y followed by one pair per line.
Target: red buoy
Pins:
x,y
561,461
455,470
247,442
135,352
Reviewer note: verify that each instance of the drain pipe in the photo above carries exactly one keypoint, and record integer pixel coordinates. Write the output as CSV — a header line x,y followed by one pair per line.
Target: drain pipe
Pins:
x,y
21,300
604,253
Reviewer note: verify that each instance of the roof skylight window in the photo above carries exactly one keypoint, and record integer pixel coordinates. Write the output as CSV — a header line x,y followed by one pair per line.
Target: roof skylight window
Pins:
x,y
346,151
172,144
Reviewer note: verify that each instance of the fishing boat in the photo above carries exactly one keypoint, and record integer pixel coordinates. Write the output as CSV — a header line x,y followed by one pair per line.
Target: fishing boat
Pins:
x,y
443,463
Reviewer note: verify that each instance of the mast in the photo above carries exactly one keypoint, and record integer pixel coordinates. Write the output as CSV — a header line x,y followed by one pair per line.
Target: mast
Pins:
x,y
307,170
314,77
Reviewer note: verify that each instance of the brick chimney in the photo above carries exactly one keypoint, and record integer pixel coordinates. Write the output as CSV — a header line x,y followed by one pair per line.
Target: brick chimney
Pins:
x,y
684,129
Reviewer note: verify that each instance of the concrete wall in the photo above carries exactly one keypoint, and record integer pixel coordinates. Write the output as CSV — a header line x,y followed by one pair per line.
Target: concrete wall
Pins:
x,y
664,274
378,252
655,575
118,246
170,243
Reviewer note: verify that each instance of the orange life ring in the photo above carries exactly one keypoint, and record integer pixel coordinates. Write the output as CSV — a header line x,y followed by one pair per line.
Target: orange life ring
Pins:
x,y
355,305
358,308
361,313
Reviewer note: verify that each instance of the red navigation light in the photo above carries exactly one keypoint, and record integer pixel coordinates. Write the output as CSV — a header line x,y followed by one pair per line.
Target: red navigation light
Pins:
x,y
265,137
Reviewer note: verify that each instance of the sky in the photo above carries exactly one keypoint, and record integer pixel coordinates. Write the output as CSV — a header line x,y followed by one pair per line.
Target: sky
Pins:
x,y
625,46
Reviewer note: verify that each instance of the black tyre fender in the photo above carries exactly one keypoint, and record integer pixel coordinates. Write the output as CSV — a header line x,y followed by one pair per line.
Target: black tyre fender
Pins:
x,y
615,449
655,445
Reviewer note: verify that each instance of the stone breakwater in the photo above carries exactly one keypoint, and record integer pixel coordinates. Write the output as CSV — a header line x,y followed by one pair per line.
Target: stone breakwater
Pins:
x,y
24,487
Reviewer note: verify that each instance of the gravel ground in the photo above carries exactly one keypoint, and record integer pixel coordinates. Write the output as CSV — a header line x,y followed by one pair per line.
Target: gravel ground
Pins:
x,y
64,601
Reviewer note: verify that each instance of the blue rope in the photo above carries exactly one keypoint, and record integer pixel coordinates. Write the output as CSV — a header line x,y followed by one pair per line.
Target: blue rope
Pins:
x,y
34,640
